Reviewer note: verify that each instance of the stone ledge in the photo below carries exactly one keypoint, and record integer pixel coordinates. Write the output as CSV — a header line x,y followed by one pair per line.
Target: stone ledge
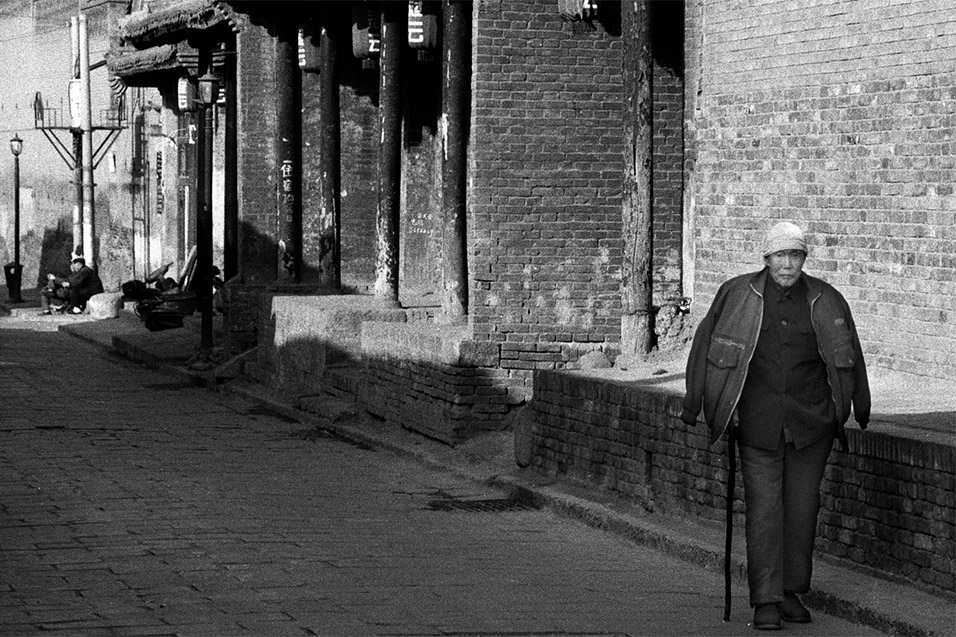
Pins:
x,y
427,342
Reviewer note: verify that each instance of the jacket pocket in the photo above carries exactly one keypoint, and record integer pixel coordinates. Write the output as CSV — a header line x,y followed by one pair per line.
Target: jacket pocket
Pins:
x,y
843,355
724,353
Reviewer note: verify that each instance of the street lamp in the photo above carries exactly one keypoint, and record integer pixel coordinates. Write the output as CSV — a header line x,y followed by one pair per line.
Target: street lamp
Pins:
x,y
14,270
208,94
208,89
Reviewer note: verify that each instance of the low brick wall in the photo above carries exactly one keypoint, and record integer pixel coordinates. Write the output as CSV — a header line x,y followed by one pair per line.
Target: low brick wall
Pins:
x,y
888,502
436,380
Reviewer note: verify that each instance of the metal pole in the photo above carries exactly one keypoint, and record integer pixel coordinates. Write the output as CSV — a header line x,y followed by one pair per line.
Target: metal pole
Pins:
x,y
16,209
86,124
204,236
18,272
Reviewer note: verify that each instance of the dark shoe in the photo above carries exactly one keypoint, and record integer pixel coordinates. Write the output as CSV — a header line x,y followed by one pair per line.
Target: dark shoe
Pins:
x,y
792,610
766,617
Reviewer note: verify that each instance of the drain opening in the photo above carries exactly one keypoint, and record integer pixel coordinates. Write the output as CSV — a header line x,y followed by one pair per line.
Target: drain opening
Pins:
x,y
321,433
485,505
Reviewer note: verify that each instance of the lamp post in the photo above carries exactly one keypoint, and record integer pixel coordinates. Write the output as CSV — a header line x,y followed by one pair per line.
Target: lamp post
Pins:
x,y
208,94
14,270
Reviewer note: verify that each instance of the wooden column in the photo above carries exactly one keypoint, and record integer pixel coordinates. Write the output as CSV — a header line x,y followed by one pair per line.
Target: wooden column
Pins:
x,y
637,325
456,61
331,19
394,26
288,169
230,200
204,242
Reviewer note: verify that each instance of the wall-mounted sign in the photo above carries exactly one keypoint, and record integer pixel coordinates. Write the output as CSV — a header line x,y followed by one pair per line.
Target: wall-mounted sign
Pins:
x,y
186,94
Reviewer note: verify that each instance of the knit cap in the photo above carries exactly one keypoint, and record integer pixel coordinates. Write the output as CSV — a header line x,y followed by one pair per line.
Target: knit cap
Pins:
x,y
785,236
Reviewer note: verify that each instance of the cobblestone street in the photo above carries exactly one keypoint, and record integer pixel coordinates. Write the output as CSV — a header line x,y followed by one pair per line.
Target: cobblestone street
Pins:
x,y
135,504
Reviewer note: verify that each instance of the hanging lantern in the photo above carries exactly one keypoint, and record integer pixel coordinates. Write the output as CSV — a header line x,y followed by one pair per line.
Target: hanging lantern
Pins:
x,y
366,34
423,25
308,52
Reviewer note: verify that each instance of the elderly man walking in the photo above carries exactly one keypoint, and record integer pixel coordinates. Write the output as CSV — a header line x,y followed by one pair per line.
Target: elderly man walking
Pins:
x,y
778,357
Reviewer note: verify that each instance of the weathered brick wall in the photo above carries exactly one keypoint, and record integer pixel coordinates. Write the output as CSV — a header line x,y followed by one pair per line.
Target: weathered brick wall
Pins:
x,y
420,247
888,503
256,182
668,183
840,116
546,173
358,97
546,177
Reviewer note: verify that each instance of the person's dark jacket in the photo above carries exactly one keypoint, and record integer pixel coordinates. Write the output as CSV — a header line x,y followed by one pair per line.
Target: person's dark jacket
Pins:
x,y
725,340
85,283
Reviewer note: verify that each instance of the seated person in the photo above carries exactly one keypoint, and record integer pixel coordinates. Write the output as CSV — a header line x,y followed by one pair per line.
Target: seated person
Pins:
x,y
76,289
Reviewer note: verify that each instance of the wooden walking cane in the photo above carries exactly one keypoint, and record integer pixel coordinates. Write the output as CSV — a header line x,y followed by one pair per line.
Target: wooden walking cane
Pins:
x,y
731,477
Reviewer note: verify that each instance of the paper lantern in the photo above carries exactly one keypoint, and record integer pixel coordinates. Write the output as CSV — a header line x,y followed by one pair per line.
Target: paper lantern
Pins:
x,y
423,25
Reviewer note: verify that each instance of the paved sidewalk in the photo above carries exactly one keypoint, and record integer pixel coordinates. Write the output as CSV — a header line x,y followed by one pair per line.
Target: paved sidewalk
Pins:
x,y
487,461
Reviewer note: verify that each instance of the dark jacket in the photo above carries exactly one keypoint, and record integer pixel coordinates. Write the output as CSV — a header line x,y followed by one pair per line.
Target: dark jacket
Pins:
x,y
727,336
85,282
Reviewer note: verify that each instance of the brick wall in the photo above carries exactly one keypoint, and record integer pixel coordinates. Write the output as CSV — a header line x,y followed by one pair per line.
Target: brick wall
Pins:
x,y
888,503
546,176
256,154
420,247
838,115
358,97
546,173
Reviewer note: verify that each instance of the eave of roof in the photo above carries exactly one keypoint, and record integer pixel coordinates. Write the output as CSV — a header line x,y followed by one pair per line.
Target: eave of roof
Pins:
x,y
147,67
175,22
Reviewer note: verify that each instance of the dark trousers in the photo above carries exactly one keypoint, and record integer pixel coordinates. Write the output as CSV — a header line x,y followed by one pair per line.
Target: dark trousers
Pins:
x,y
58,295
782,494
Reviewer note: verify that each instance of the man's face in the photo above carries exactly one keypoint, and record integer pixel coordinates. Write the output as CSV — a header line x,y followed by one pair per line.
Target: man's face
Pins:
x,y
75,267
785,266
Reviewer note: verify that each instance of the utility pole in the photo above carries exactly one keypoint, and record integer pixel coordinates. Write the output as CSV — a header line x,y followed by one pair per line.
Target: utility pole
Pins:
x,y
86,125
77,142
